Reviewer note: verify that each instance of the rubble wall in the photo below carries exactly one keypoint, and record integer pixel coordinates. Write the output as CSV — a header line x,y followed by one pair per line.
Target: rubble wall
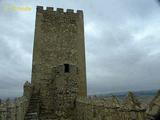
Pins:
x,y
13,110
90,109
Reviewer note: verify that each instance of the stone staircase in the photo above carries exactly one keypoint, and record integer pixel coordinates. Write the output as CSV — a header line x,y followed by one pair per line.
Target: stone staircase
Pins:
x,y
31,116
33,107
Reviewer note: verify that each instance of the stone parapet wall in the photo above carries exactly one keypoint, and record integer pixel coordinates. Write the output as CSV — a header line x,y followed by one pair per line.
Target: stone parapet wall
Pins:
x,y
105,109
13,109
153,110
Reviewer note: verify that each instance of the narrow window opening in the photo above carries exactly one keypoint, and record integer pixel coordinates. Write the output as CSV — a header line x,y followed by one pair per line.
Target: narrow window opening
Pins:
x,y
66,68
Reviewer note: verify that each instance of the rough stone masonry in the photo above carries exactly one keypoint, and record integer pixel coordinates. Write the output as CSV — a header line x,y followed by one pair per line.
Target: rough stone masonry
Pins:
x,y
58,70
58,87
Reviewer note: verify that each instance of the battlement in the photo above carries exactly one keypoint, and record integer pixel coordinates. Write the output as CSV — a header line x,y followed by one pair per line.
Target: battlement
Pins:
x,y
113,103
58,10
108,108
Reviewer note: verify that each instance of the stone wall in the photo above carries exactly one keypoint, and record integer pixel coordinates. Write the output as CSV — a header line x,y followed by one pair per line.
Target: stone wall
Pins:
x,y
105,109
153,111
21,105
13,109
64,90
60,94
82,108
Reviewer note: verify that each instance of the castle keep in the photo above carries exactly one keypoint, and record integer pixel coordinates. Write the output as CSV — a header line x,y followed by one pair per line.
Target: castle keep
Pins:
x,y
58,89
59,39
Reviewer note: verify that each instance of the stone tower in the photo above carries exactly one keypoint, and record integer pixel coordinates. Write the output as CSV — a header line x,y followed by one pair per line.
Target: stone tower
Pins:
x,y
59,39
58,68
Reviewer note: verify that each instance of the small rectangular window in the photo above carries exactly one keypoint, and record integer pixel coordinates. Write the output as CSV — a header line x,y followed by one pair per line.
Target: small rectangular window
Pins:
x,y
66,68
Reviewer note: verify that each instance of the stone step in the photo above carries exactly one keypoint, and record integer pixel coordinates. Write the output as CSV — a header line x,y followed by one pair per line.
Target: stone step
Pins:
x,y
31,116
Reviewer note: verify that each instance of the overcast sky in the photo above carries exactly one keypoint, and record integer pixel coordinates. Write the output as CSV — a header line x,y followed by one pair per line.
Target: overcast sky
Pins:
x,y
122,44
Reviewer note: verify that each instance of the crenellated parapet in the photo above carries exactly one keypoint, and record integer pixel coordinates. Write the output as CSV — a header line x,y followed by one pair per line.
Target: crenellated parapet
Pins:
x,y
109,108
58,10
131,102
115,102
153,110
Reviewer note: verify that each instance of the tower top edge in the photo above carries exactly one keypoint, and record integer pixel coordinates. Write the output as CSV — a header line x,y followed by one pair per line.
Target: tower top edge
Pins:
x,y
58,10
